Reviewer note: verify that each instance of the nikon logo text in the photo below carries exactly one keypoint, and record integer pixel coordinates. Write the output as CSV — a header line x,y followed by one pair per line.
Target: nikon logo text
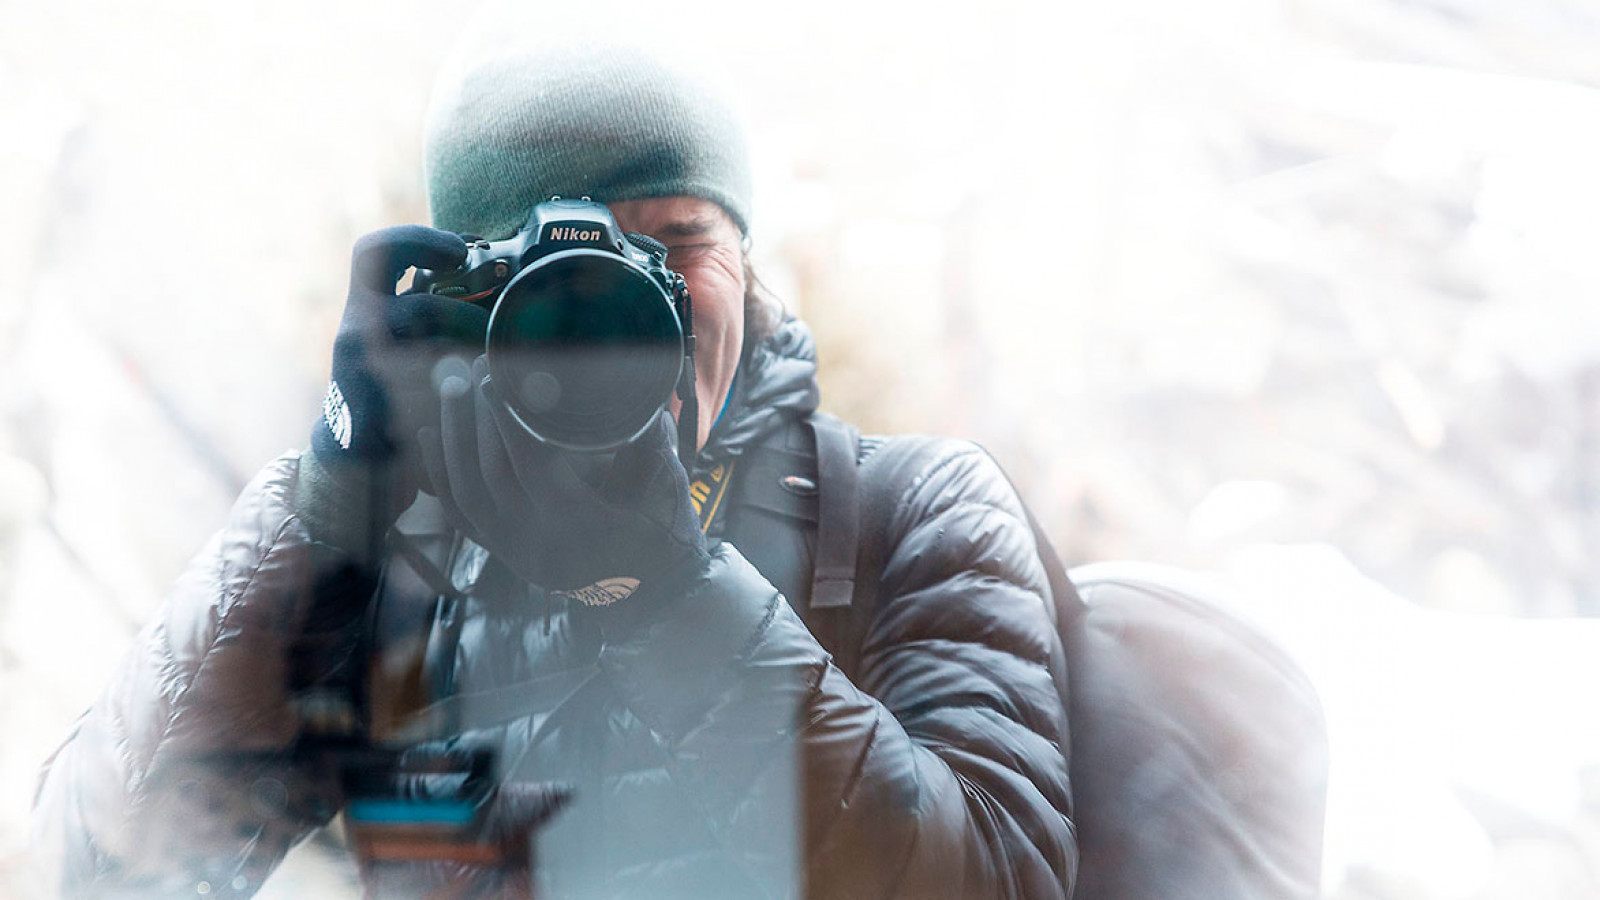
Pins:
x,y
568,233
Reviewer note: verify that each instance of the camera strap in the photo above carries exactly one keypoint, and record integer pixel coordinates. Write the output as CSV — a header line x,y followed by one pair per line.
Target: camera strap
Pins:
x,y
707,491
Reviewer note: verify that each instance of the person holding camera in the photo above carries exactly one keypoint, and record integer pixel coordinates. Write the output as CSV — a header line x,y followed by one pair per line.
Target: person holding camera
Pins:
x,y
663,657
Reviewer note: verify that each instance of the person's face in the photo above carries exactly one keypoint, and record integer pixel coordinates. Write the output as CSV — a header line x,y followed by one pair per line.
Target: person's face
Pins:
x,y
703,246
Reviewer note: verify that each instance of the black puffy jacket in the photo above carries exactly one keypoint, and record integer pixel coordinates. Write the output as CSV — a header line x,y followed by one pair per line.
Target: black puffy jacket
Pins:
x,y
716,750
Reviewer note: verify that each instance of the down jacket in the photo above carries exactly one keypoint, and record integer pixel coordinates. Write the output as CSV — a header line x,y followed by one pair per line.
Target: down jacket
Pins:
x,y
716,749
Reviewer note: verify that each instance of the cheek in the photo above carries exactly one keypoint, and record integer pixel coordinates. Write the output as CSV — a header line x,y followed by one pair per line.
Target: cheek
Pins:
x,y
718,308
718,294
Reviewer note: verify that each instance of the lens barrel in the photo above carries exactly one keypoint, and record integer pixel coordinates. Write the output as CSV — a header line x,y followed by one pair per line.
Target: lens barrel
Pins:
x,y
586,349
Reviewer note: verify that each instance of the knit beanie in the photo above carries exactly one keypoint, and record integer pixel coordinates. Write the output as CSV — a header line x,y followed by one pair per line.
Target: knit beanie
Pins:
x,y
609,123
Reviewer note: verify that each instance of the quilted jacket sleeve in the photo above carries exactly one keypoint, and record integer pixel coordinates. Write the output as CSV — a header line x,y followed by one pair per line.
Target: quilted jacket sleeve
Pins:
x,y
176,776
938,774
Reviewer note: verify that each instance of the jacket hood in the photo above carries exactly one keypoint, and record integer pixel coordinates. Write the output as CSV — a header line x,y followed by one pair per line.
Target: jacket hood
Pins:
x,y
777,381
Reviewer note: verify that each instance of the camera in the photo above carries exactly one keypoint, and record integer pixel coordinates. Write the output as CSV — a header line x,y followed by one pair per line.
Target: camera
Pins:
x,y
590,333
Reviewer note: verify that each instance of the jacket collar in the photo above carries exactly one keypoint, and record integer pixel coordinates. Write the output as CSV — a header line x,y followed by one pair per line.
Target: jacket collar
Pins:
x,y
777,381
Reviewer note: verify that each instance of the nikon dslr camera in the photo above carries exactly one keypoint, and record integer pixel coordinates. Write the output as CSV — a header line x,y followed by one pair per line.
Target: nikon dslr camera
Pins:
x,y
590,333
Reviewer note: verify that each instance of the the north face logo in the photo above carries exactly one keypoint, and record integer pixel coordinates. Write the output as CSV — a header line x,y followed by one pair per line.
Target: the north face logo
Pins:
x,y
336,413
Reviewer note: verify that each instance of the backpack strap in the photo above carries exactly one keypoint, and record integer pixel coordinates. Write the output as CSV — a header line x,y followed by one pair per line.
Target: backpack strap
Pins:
x,y
833,576
884,473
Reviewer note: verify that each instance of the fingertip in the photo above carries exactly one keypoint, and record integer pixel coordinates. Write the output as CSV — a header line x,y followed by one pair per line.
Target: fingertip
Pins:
x,y
444,249
380,257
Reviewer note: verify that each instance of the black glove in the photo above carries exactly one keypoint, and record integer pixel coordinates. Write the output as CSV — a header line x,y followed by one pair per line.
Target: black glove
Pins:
x,y
548,513
382,390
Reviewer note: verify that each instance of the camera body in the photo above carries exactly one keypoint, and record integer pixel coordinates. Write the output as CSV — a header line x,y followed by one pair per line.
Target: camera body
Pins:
x,y
590,334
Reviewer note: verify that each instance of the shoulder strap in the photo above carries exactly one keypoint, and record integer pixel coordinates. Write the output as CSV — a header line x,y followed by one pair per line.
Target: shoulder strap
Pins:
x,y
833,576
861,499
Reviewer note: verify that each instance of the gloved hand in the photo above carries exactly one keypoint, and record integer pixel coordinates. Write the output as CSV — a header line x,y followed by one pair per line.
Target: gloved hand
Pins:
x,y
539,509
363,474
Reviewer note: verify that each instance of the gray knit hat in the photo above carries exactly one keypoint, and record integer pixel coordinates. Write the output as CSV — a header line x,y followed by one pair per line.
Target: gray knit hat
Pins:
x,y
608,123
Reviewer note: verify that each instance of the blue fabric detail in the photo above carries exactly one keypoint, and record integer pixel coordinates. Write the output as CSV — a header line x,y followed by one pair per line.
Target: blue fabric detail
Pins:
x,y
411,812
733,388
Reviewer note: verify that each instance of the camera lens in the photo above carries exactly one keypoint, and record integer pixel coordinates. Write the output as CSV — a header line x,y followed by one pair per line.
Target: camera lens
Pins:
x,y
586,348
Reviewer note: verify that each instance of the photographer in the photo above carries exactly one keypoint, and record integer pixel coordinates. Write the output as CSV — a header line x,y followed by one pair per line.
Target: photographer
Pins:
x,y
637,644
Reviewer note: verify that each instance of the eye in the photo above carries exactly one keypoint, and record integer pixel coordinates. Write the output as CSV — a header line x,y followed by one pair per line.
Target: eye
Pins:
x,y
687,251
